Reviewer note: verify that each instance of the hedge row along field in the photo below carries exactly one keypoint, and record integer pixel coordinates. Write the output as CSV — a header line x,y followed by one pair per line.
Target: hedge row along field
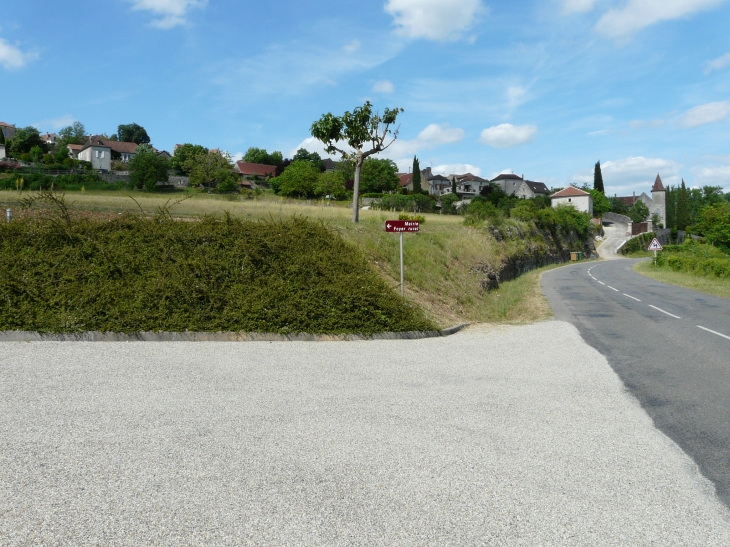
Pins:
x,y
696,258
131,274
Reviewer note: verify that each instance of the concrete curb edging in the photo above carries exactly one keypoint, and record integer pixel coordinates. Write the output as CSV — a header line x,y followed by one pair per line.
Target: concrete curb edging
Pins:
x,y
96,336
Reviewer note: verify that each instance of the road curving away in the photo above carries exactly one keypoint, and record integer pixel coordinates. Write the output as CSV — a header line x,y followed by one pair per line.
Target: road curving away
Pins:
x,y
505,436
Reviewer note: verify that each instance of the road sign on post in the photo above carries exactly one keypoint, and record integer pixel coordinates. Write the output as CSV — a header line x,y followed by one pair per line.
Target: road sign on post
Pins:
x,y
655,246
401,227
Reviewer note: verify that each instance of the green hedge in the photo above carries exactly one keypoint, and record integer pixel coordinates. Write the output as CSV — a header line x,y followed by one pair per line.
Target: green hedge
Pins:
x,y
36,182
131,274
696,258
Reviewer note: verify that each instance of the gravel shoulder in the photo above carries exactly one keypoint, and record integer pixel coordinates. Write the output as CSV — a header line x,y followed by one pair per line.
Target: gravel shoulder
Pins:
x,y
494,436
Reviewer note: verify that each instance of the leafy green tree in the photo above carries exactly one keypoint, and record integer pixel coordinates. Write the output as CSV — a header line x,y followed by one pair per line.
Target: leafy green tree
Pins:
x,y
313,157
72,134
25,139
298,180
417,188
601,205
714,224
210,168
260,155
683,210
36,153
448,206
147,168
364,131
639,212
132,132
183,159
331,184
598,178
378,175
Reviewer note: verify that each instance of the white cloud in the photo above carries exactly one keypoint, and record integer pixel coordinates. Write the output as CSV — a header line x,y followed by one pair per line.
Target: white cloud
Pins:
x,y
438,20
55,123
578,6
516,96
507,135
352,47
718,64
11,57
637,14
651,124
172,12
456,169
713,176
705,113
238,156
637,174
310,144
383,86
432,136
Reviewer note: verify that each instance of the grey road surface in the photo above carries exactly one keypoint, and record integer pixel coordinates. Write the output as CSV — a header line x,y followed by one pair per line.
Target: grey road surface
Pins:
x,y
670,346
515,436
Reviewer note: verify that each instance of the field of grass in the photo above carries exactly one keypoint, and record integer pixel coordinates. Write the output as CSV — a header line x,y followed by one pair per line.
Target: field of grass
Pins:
x,y
709,285
438,259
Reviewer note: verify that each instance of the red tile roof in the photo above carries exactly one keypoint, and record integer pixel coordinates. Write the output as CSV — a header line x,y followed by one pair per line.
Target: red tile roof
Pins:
x,y
116,146
3,124
569,192
405,179
259,169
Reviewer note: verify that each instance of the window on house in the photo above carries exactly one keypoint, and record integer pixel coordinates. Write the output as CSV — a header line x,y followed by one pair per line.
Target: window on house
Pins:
x,y
570,199
97,153
102,155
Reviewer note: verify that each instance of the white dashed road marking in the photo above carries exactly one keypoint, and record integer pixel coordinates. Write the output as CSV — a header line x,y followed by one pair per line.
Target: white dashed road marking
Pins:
x,y
713,332
663,311
601,282
610,287
633,297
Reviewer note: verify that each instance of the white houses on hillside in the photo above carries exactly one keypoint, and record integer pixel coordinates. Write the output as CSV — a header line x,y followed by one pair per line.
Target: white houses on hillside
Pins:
x,y
575,197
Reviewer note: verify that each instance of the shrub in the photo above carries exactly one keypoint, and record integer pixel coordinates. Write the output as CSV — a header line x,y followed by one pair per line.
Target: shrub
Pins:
x,y
132,274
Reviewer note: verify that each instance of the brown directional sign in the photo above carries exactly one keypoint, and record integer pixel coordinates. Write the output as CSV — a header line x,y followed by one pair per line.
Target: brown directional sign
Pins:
x,y
402,225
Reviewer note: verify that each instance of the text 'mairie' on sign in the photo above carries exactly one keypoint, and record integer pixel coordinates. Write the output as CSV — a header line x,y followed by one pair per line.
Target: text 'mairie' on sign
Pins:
x,y
402,226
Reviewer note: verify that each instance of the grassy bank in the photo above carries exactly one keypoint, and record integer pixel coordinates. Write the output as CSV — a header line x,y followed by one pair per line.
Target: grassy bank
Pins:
x,y
439,259
709,285
131,274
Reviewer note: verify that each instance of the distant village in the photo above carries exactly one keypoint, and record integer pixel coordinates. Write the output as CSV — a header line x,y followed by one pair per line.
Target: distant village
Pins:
x,y
108,155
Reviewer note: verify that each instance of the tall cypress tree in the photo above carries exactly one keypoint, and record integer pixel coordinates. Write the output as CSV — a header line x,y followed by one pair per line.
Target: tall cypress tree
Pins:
x,y
416,176
598,178
671,205
453,186
2,136
682,207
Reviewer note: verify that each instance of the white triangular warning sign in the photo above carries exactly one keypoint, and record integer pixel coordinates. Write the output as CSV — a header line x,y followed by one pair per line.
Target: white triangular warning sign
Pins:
x,y
655,245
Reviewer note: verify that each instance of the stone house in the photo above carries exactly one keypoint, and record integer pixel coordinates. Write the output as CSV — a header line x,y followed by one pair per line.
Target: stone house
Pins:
x,y
574,197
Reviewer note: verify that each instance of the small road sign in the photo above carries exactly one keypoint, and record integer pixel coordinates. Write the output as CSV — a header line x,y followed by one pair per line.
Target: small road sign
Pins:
x,y
655,245
402,226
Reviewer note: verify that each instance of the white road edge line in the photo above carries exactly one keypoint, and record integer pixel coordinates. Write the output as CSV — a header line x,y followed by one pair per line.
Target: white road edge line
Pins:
x,y
610,287
632,297
713,332
663,311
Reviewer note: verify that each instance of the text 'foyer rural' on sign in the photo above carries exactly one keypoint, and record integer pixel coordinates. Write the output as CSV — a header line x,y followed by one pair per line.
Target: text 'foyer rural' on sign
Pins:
x,y
402,226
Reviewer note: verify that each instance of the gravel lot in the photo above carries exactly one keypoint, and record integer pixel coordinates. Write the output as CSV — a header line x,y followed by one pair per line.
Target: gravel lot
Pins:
x,y
511,436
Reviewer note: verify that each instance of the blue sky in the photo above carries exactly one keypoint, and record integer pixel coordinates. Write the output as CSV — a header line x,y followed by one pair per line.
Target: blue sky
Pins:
x,y
541,88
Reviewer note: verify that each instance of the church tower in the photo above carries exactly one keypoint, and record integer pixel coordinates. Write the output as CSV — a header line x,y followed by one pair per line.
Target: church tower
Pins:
x,y
659,201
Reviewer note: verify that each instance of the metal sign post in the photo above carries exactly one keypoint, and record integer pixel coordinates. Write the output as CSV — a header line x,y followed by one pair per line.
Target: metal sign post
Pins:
x,y
401,227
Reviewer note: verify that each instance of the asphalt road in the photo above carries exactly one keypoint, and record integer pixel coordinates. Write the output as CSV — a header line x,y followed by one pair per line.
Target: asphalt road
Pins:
x,y
669,345
515,436
614,237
